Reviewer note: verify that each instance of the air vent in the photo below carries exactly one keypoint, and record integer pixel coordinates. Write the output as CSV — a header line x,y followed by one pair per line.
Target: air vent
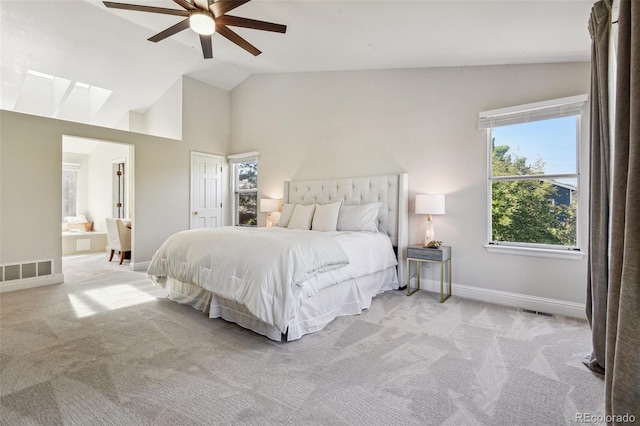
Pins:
x,y
21,271
544,314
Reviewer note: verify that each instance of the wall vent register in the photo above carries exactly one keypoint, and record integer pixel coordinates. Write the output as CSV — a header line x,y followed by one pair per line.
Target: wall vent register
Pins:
x,y
21,271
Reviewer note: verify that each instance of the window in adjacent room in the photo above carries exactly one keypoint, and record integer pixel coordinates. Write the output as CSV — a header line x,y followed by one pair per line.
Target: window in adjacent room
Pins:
x,y
245,188
534,170
69,189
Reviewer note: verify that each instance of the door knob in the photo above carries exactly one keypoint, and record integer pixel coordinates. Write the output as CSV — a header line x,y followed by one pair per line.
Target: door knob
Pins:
x,y
196,213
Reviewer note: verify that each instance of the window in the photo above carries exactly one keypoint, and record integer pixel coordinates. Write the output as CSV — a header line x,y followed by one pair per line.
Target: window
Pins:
x,y
69,189
534,170
245,188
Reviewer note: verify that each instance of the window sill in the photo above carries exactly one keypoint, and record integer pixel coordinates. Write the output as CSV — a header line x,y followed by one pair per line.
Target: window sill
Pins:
x,y
535,252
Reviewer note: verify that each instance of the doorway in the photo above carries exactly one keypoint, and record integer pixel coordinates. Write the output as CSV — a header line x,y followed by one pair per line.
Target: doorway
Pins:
x,y
103,188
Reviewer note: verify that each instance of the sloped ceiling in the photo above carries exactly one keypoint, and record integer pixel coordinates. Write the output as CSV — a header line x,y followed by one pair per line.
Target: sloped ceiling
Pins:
x,y
85,45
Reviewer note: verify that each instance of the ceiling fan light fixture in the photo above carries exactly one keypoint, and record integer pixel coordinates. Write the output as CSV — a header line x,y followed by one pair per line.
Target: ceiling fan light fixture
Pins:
x,y
202,22
203,17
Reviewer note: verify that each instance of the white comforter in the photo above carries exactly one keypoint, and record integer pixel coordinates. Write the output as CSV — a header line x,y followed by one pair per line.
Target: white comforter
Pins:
x,y
265,269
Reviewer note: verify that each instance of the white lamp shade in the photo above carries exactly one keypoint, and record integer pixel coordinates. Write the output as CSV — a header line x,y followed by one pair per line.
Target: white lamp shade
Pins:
x,y
430,204
269,205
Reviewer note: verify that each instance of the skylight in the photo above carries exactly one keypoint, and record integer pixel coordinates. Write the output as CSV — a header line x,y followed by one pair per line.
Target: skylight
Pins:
x,y
57,97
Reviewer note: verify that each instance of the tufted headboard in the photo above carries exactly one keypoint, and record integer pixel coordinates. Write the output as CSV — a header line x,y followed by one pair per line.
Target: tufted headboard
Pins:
x,y
390,190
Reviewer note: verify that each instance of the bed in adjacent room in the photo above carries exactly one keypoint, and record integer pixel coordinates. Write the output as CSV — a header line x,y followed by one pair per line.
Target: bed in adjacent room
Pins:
x,y
333,251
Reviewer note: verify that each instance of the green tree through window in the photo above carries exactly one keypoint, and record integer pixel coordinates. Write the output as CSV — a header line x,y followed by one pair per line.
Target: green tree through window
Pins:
x,y
527,210
247,193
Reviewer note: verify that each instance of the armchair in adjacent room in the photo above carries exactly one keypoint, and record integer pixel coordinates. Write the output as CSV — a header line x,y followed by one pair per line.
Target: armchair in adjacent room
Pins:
x,y
119,237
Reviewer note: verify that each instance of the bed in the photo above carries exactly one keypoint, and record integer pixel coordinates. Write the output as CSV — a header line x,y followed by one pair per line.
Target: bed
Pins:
x,y
327,257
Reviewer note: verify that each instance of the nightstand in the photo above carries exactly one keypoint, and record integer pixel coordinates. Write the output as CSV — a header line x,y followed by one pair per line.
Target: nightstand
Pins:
x,y
419,254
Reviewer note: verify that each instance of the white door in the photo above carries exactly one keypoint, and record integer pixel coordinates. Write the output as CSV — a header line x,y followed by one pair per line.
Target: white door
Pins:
x,y
206,190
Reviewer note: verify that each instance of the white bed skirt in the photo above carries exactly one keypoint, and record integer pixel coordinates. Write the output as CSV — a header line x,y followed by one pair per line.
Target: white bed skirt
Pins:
x,y
346,298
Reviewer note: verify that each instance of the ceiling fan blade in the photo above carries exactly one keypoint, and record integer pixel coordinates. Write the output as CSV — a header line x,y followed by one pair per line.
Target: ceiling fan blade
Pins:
x,y
232,36
182,25
185,4
221,7
202,4
140,8
207,46
236,21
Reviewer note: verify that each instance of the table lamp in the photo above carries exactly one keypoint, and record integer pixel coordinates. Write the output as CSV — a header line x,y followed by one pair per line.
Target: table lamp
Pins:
x,y
270,205
429,204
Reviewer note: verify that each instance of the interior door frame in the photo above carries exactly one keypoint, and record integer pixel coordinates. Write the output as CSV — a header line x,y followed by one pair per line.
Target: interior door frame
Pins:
x,y
124,187
222,187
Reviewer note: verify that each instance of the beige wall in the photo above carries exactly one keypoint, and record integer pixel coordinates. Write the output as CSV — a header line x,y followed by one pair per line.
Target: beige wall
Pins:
x,y
205,116
419,121
30,176
164,118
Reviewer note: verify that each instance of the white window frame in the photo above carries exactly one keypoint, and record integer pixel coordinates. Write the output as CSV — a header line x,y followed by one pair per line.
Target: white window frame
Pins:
x,y
234,160
72,167
563,107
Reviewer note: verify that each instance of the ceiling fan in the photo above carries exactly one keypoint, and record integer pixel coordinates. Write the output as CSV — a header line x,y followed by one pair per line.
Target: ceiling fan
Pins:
x,y
206,17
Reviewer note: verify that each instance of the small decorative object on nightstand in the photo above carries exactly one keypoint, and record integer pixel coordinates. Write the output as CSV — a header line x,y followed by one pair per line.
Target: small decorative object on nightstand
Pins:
x,y
419,254
433,244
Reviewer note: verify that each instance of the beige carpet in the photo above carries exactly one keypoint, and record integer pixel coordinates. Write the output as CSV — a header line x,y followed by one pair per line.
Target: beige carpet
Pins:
x,y
106,348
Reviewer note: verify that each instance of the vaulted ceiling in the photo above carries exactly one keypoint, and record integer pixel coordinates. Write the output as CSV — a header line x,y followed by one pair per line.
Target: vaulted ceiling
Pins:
x,y
98,64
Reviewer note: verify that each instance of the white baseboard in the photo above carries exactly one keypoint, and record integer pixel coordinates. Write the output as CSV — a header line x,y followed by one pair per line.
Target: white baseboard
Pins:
x,y
140,266
25,283
516,300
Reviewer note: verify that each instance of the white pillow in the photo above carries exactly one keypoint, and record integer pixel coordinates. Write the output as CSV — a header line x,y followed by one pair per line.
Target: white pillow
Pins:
x,y
285,216
361,217
325,217
302,217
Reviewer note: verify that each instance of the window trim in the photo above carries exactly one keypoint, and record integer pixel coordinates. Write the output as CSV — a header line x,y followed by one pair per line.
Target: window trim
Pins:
x,y
537,111
540,111
234,160
244,157
74,168
550,253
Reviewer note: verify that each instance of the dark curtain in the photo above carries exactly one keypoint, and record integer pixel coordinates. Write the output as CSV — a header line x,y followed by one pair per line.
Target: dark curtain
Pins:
x,y
598,275
622,364
613,296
